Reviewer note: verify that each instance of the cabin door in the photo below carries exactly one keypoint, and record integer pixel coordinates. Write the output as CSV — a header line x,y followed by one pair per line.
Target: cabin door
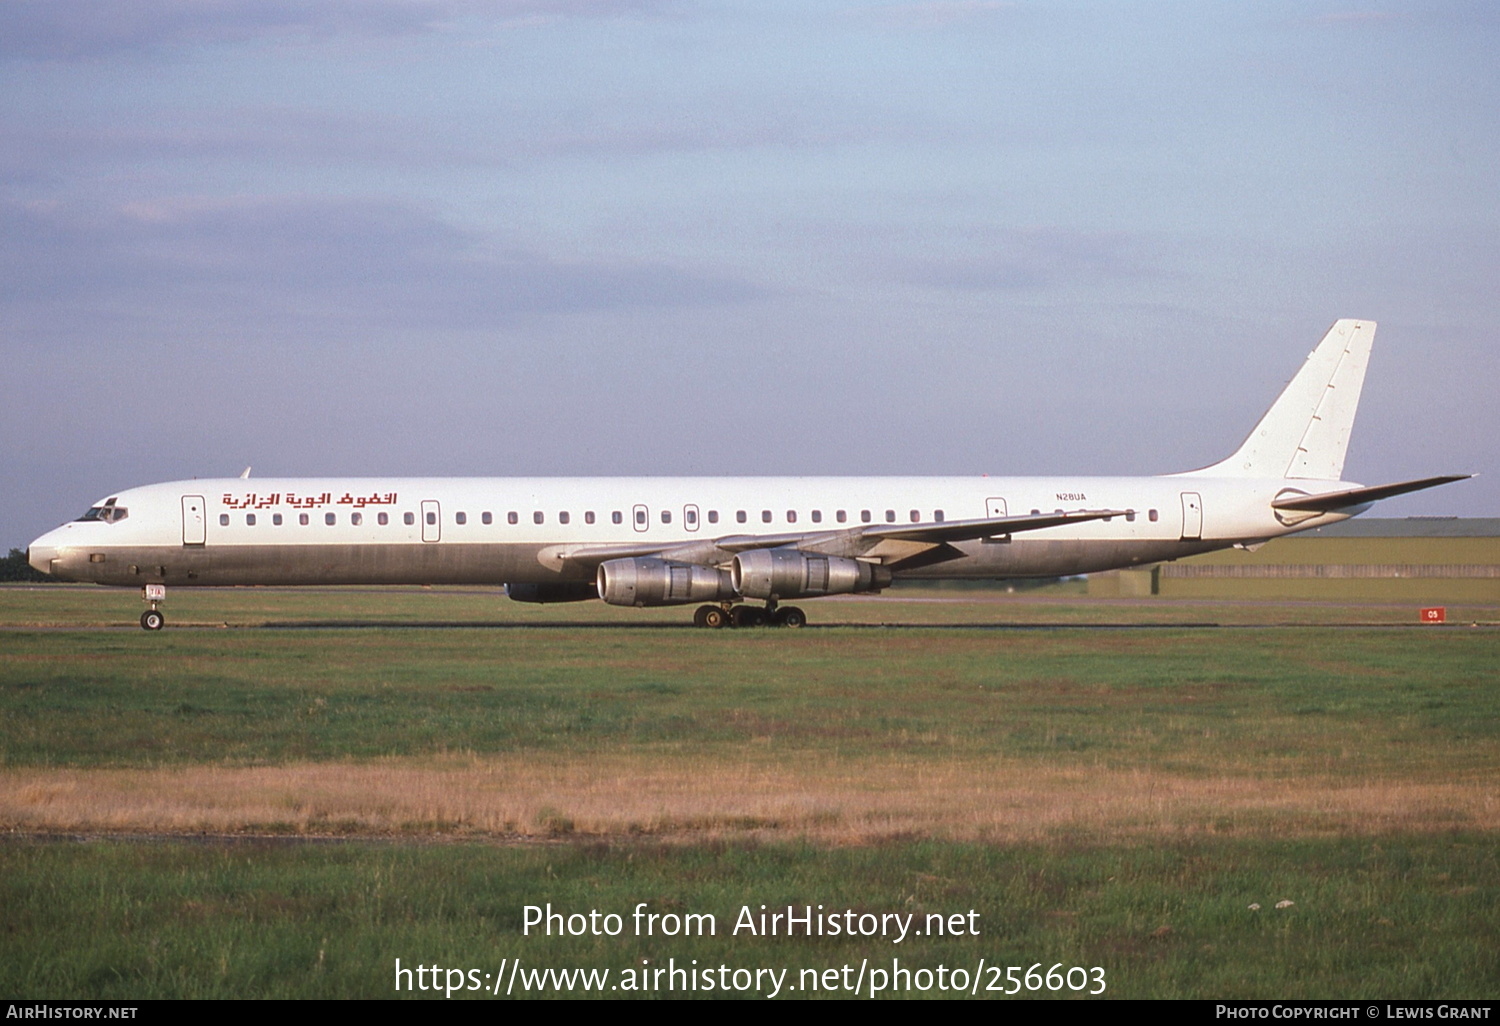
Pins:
x,y
993,509
193,520
1192,516
432,520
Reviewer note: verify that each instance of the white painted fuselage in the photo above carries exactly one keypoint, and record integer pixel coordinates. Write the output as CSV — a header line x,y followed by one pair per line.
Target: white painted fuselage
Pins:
x,y
665,541
541,530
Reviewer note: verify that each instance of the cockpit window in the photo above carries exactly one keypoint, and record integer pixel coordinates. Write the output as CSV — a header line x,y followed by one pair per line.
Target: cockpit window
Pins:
x,y
109,512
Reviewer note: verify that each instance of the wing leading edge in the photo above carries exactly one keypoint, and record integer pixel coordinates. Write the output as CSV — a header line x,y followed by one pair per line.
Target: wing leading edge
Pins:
x,y
855,541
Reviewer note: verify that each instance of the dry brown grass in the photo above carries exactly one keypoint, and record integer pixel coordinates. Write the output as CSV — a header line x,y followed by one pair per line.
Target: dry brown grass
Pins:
x,y
750,793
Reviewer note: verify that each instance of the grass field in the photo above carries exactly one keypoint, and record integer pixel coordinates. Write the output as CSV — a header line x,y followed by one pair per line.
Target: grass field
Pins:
x,y
1109,783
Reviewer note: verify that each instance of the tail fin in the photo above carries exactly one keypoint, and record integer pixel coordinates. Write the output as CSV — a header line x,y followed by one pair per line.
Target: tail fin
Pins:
x,y
1305,434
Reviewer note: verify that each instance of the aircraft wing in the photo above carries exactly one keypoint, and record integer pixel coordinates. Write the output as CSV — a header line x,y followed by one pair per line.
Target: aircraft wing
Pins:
x,y
966,530
854,541
1329,501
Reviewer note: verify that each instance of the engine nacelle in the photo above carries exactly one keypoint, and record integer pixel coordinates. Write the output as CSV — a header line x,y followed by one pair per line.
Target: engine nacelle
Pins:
x,y
647,581
552,591
790,574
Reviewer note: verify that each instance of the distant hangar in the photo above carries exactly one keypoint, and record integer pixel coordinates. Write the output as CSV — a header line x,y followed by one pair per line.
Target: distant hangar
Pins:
x,y
1436,559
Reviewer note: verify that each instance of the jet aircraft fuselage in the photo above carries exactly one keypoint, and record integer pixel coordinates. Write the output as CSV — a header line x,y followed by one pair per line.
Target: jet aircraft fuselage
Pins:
x,y
722,541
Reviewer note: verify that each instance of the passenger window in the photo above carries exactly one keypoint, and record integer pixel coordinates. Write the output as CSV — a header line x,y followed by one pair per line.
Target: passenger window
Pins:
x,y
223,519
359,518
275,519
791,516
640,517
431,519
817,516
864,515
666,516
713,516
486,517
512,517
249,519
1130,516
381,518
890,516
588,516
332,518
406,518
460,518
617,517
1036,512
538,518
765,516
842,516
937,516
739,516
1151,516
562,518
691,516
302,518
916,517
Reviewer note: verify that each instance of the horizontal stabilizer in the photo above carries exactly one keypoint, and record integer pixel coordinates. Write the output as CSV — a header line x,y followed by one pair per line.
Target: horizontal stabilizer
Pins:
x,y
1330,501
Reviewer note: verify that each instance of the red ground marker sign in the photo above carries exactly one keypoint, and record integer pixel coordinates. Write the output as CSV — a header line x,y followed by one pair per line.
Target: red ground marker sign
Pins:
x,y
1435,614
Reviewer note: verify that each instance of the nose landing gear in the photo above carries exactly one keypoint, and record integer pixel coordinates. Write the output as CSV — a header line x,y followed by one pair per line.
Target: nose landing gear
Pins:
x,y
152,619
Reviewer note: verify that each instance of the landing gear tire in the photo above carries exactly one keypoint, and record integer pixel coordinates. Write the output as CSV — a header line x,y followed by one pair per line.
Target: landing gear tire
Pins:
x,y
747,616
714,617
152,620
791,616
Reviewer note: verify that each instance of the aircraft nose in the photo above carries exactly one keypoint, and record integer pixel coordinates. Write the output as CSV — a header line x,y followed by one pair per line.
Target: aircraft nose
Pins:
x,y
43,551
41,556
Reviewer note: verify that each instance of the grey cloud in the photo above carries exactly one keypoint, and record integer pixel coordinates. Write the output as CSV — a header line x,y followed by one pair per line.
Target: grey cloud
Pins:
x,y
1037,258
933,12
86,29
36,151
352,262
31,150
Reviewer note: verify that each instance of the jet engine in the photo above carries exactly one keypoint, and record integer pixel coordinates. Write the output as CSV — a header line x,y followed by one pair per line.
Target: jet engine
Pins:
x,y
647,581
552,591
790,574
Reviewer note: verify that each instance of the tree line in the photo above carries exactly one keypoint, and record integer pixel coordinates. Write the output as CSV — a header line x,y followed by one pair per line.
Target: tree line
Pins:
x,y
15,568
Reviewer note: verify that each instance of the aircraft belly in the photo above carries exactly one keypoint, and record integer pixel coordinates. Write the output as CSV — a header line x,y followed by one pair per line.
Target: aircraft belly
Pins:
x,y
415,563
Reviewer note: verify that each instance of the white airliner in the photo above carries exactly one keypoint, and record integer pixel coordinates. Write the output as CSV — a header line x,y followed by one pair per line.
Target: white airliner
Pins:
x,y
722,541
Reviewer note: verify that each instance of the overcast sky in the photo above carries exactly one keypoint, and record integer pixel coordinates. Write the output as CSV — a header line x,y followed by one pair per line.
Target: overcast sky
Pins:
x,y
453,237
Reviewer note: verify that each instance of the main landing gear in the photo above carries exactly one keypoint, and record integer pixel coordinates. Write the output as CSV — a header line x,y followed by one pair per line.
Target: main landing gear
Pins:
x,y
726,615
152,619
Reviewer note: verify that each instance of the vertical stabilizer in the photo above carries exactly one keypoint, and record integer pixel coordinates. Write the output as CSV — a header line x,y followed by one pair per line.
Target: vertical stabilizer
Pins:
x,y
1305,434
